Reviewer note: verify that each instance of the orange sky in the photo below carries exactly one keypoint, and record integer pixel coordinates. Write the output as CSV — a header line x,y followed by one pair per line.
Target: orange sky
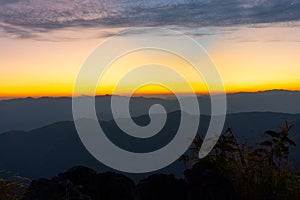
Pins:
x,y
248,59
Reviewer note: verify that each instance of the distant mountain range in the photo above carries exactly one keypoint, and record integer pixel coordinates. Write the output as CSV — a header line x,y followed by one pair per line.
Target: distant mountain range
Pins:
x,y
45,151
31,113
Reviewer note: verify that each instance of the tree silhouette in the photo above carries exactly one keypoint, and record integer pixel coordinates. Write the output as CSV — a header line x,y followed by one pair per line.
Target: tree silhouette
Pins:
x,y
262,171
278,144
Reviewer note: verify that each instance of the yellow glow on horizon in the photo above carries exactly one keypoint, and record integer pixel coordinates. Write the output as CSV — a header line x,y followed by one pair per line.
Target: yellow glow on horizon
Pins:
x,y
139,66
256,59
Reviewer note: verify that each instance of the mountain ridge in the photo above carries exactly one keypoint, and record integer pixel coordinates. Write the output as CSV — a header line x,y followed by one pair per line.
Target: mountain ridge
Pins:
x,y
47,150
30,113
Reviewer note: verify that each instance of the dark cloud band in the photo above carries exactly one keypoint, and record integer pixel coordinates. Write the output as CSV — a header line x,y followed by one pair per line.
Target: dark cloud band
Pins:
x,y
52,14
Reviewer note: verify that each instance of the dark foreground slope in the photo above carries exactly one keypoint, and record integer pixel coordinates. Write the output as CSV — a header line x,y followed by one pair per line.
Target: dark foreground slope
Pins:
x,y
203,181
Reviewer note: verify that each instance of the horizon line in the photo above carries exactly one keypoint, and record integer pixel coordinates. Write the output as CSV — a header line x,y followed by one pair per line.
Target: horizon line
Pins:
x,y
147,95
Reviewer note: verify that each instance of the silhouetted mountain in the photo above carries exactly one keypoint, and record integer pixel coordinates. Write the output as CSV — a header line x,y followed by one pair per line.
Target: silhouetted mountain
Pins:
x,y
283,101
30,113
45,151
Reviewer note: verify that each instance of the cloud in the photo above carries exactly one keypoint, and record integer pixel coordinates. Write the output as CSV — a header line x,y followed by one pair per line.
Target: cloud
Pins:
x,y
23,17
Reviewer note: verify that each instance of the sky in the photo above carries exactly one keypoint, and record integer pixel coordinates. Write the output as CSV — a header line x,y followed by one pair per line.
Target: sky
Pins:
x,y
255,45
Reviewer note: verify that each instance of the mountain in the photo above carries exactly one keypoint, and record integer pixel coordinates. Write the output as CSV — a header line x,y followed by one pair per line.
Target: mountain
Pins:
x,y
31,113
283,101
45,151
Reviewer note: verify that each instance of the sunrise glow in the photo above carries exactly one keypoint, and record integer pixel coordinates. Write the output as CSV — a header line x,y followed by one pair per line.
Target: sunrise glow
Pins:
x,y
246,58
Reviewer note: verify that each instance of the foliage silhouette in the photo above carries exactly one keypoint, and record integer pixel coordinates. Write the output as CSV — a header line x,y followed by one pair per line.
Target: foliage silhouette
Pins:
x,y
13,188
260,172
